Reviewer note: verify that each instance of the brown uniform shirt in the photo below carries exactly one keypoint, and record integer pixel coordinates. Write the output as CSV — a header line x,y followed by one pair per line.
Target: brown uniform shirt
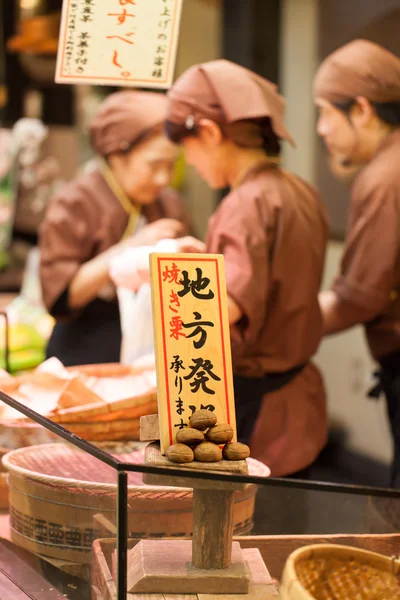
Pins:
x,y
83,220
272,230
370,269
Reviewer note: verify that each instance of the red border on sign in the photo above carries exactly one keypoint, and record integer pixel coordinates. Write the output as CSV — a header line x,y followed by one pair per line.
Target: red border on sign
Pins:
x,y
164,339
83,77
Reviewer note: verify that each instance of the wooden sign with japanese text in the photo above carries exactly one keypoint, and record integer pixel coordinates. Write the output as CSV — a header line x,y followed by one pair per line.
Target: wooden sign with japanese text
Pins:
x,y
118,42
192,340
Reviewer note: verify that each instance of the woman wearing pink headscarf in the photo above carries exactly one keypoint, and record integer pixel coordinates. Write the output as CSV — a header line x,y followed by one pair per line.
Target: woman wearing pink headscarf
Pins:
x,y
124,202
272,231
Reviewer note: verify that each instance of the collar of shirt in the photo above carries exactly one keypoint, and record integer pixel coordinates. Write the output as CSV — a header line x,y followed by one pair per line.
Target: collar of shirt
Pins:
x,y
255,169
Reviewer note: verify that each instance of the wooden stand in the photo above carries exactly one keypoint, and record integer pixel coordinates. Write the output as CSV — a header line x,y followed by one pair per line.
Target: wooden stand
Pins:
x,y
212,563
212,529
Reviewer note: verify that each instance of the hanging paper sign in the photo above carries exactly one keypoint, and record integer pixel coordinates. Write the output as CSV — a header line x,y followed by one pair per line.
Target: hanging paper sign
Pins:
x,y
118,42
192,341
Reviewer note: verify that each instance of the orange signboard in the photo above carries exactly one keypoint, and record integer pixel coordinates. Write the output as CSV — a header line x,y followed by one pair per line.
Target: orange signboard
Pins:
x,y
192,341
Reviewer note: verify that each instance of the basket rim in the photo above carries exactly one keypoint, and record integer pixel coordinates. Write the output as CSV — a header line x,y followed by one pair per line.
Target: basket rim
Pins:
x,y
290,574
73,483
114,370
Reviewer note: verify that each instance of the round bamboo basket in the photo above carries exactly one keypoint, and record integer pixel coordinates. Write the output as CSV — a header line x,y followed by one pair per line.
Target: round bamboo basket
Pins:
x,y
335,572
19,434
125,426
62,499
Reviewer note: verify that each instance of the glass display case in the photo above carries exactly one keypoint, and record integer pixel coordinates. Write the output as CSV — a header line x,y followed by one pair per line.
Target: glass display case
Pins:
x,y
77,510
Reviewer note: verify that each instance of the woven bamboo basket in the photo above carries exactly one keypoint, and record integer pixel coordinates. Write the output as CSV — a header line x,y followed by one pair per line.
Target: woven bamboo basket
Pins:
x,y
61,497
119,421
334,572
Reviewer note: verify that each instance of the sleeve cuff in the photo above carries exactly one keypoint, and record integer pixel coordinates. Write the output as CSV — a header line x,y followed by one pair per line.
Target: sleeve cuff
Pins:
x,y
356,293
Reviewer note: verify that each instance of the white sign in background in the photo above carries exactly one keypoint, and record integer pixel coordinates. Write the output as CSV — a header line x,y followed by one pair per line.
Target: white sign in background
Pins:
x,y
119,42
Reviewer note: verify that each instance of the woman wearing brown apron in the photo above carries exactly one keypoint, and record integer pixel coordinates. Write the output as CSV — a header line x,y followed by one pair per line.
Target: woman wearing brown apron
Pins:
x,y
272,230
357,91
123,202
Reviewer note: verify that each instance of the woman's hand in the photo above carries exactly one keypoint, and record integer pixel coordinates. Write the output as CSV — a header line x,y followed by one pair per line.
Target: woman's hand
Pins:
x,y
130,269
190,244
154,232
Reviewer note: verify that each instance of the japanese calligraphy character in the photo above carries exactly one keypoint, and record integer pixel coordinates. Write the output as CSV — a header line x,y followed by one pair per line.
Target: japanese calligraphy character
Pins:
x,y
179,384
73,536
166,13
115,60
40,530
29,526
89,535
158,73
174,300
162,36
209,407
195,286
171,274
177,364
87,13
17,519
161,49
164,24
179,407
56,533
159,61
181,425
201,372
199,330
121,16
118,37
176,325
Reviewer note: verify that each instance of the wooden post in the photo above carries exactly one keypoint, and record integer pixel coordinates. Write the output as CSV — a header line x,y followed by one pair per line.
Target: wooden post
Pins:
x,y
212,529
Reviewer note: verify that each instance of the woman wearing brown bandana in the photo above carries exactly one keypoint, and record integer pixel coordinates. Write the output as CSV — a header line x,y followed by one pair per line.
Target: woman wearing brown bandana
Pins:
x,y
357,91
272,230
124,201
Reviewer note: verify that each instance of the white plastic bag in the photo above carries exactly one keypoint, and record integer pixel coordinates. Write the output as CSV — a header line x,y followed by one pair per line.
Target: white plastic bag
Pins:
x,y
136,323
136,311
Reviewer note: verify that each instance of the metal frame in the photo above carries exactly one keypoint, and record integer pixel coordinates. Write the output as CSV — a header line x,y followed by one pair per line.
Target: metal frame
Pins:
x,y
122,535
4,314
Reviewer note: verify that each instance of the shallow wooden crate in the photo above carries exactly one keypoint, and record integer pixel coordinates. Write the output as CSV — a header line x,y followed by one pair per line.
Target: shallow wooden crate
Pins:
x,y
275,550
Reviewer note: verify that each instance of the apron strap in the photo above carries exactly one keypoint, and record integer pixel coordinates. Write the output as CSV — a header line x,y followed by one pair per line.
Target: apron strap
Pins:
x,y
131,210
249,392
